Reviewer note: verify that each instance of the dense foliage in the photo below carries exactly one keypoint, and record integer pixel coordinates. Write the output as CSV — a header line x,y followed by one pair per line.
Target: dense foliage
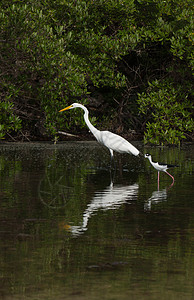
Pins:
x,y
130,61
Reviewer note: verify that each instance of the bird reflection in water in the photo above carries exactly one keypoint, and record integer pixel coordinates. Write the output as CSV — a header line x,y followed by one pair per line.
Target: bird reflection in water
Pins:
x,y
157,197
112,197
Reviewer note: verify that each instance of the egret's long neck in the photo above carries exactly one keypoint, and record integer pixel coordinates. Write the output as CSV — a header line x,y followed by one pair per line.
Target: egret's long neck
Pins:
x,y
90,126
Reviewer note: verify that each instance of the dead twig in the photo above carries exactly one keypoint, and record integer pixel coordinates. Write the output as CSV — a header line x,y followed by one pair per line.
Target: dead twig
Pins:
x,y
67,134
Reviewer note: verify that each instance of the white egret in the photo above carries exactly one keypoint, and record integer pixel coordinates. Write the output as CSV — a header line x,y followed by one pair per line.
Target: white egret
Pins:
x,y
112,141
160,167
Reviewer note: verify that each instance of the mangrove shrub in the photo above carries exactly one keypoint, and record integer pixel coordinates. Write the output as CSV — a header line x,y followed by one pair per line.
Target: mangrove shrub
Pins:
x,y
122,58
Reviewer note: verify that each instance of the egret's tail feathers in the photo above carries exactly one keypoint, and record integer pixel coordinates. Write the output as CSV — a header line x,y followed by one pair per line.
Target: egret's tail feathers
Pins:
x,y
134,151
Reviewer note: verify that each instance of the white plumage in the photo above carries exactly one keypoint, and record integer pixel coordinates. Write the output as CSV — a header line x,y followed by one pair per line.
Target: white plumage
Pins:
x,y
160,166
111,140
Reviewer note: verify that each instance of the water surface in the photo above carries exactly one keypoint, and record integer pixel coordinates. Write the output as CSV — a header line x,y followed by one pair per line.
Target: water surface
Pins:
x,y
72,229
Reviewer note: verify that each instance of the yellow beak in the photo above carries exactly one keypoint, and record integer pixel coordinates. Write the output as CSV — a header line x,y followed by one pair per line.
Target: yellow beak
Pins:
x,y
66,108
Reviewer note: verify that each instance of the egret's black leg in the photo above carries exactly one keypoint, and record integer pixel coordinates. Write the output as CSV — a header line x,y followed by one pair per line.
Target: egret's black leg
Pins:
x,y
112,161
112,176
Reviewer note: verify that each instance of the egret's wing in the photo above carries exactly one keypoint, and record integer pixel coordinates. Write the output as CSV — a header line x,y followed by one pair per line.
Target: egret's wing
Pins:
x,y
117,143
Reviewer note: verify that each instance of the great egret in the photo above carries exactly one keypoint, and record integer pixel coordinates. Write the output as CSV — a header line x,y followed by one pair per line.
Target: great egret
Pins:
x,y
160,167
112,141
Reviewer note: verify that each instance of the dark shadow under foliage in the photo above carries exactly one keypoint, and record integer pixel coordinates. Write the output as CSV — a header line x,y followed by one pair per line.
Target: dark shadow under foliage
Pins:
x,y
130,62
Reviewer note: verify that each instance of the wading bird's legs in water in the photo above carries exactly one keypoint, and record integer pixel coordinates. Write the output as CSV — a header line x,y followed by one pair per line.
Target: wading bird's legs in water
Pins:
x,y
112,176
112,161
170,176
170,186
158,180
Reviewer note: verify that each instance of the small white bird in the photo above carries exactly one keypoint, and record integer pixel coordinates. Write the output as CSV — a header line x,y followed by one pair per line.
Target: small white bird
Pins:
x,y
160,167
112,141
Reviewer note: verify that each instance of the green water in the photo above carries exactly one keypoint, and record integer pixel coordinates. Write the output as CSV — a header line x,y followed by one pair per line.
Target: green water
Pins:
x,y
71,229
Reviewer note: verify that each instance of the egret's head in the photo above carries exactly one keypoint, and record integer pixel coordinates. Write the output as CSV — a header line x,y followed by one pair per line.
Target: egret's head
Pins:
x,y
74,105
147,155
